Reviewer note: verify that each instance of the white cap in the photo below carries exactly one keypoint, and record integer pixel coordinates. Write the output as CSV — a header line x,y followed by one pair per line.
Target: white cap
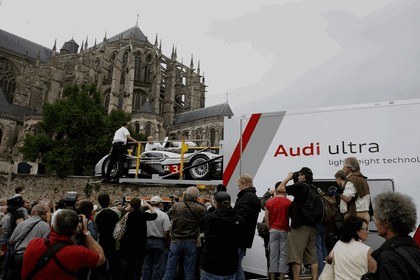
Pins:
x,y
155,200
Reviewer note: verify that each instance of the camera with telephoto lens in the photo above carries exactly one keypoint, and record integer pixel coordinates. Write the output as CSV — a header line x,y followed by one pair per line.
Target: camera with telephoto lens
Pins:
x,y
295,176
332,189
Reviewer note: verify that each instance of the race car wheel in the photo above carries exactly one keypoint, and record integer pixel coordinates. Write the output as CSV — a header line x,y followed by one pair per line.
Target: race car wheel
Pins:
x,y
114,169
200,172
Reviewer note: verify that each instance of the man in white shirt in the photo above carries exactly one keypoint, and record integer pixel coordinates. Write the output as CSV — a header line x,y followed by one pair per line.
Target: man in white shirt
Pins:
x,y
119,148
355,199
157,240
152,145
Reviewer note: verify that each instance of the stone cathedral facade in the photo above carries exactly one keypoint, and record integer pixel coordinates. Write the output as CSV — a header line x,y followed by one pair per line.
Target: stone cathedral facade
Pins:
x,y
165,97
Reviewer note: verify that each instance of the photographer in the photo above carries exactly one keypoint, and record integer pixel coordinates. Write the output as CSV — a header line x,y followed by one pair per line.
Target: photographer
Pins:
x,y
71,258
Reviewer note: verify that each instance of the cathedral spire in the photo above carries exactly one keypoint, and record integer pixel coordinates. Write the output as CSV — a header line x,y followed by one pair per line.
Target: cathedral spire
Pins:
x,y
105,37
86,43
198,68
55,46
156,41
81,47
191,63
160,45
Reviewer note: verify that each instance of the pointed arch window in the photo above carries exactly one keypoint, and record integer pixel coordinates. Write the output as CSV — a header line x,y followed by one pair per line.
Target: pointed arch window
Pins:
x,y
137,66
124,69
147,68
1,135
107,100
212,135
7,79
148,129
137,128
111,66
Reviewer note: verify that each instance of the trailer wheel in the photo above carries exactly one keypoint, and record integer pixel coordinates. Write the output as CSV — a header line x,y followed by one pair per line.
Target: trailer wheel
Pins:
x,y
114,168
200,172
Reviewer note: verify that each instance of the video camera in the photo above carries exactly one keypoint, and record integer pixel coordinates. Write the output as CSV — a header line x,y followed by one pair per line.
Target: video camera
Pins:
x,y
70,199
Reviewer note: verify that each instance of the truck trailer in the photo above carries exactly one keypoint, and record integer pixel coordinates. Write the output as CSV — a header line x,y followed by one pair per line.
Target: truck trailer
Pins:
x,y
383,136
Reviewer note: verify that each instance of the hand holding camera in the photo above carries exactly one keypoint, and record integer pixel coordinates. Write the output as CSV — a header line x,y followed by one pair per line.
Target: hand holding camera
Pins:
x,y
82,223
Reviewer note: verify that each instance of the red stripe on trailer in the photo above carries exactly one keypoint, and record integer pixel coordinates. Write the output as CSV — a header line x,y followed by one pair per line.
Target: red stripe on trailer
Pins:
x,y
249,129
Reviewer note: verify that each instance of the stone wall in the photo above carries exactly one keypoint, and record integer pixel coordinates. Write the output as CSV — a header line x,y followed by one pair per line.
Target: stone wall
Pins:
x,y
39,187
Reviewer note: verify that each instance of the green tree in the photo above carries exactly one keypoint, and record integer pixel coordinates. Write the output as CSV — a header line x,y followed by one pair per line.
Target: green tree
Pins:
x,y
75,132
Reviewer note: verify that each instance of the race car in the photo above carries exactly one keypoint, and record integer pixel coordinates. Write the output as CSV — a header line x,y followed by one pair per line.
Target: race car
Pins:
x,y
199,165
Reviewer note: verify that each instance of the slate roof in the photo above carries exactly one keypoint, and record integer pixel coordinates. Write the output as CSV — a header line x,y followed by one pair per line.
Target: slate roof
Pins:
x,y
133,32
212,111
11,110
24,47
146,107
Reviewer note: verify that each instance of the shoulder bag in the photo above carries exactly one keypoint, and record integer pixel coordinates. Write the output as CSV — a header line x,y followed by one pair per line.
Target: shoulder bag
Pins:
x,y
119,229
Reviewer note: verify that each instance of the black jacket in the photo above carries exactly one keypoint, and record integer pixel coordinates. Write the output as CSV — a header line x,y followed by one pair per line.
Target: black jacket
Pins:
x,y
220,250
392,265
247,209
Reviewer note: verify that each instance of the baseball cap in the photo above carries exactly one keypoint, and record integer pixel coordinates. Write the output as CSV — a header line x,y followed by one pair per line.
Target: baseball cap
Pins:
x,y
155,200
306,171
222,197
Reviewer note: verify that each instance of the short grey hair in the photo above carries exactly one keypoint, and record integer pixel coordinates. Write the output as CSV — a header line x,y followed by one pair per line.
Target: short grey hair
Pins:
x,y
397,210
40,209
65,222
352,162
192,193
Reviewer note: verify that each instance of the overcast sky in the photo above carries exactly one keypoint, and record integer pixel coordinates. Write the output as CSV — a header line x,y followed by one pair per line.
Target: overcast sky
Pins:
x,y
267,55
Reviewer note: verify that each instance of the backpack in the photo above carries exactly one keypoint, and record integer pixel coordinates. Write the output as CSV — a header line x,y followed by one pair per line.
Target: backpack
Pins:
x,y
313,210
330,205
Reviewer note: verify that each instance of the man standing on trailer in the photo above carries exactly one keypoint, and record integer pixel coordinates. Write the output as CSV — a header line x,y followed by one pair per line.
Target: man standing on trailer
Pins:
x,y
119,148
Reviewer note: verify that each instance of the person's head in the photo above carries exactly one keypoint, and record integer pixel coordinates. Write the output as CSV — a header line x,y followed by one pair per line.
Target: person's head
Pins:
x,y
278,191
192,193
395,214
135,204
340,177
15,202
156,201
244,181
27,203
61,204
350,164
86,208
20,190
221,188
40,210
65,222
104,200
222,200
124,124
354,228
305,175
150,139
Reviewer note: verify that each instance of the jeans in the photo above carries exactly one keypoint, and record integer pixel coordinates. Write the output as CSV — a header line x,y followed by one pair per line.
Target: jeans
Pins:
x,y
240,275
278,251
209,276
131,268
152,266
321,250
185,249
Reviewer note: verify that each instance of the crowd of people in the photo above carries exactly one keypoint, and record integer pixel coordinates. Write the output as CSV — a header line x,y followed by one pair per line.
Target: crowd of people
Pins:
x,y
192,240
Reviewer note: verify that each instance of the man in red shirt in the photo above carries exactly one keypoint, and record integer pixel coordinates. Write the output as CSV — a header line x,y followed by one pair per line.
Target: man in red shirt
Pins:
x,y
277,220
68,260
